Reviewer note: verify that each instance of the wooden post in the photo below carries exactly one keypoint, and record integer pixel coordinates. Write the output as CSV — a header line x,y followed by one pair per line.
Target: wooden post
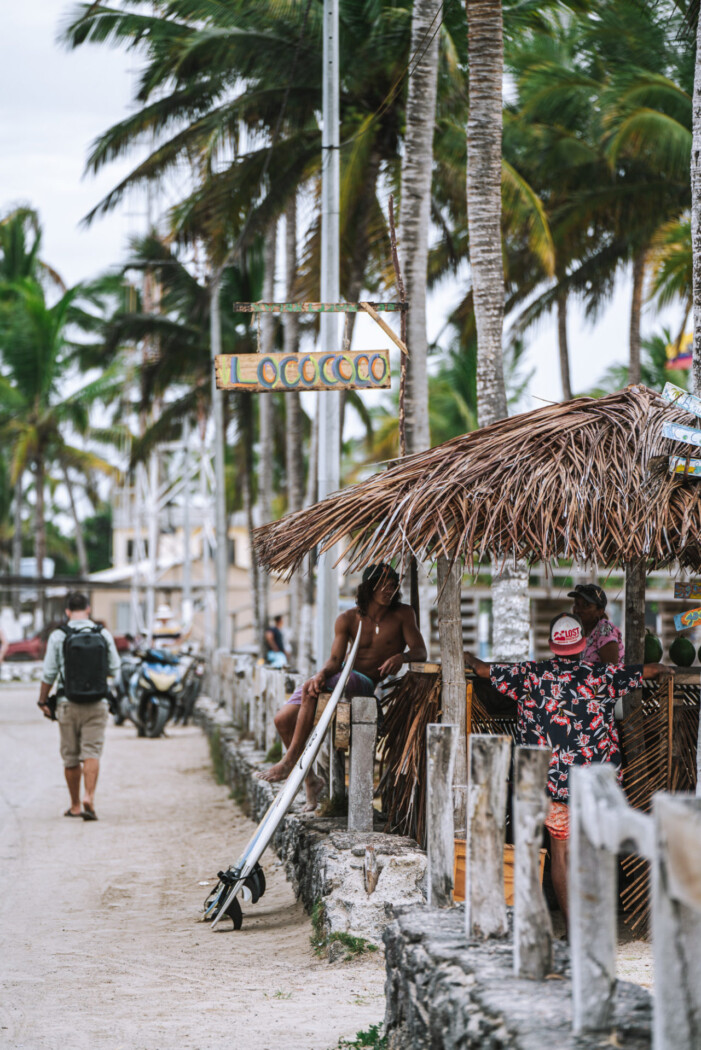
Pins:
x,y
533,933
602,824
634,624
441,747
453,671
362,763
676,921
485,908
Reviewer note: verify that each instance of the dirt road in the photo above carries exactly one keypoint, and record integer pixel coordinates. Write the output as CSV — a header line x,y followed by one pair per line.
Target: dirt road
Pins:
x,y
102,941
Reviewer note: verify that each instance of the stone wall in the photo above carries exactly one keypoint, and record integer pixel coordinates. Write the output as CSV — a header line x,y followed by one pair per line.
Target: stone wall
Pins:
x,y
323,860
446,993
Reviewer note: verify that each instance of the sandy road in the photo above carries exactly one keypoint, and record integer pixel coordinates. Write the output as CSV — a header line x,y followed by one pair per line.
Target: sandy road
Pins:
x,y
102,944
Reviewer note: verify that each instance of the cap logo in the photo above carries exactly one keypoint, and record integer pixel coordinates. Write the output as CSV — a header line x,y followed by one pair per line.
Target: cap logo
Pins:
x,y
571,635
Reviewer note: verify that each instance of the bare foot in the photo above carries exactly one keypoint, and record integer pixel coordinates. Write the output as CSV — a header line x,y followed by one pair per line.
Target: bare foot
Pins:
x,y
313,787
277,773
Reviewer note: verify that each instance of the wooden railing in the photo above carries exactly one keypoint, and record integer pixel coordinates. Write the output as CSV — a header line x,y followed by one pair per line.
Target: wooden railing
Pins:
x,y
603,826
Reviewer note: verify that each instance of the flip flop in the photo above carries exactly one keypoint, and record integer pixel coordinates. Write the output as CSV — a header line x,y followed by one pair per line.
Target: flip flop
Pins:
x,y
88,813
69,814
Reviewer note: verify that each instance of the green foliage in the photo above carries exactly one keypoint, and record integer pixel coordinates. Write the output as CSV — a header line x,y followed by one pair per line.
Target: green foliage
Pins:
x,y
97,533
274,751
372,1039
320,940
215,752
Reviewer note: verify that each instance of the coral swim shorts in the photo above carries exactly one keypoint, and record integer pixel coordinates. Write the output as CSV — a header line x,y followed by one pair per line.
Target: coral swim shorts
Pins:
x,y
558,820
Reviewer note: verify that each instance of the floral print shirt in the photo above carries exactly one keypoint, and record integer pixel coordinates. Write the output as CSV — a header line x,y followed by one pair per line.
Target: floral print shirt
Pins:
x,y
568,706
603,633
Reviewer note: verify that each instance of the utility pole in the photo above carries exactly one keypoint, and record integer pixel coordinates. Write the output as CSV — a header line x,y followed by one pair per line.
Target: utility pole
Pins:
x,y
220,553
186,603
329,403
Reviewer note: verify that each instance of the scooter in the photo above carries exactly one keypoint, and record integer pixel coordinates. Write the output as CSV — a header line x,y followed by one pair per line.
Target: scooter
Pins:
x,y
193,667
155,687
118,697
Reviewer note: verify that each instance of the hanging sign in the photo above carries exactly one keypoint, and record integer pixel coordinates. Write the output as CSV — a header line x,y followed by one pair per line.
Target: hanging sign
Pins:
x,y
343,370
692,589
682,399
691,618
688,467
678,432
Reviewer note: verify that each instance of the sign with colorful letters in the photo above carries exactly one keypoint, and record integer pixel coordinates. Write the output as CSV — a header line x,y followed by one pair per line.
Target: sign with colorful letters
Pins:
x,y
341,370
690,618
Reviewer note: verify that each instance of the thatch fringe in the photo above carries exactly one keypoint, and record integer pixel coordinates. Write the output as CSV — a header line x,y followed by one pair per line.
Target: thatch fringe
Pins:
x,y
586,479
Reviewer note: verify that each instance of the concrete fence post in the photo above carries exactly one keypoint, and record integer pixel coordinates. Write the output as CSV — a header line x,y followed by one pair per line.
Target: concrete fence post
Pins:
x,y
485,907
676,921
533,934
441,748
362,763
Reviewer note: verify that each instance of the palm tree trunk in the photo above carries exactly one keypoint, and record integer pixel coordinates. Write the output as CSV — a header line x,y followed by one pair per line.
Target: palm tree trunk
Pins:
x,y
265,422
247,486
696,215
17,543
306,655
636,307
563,347
221,530
511,624
293,425
40,541
484,131
417,167
79,537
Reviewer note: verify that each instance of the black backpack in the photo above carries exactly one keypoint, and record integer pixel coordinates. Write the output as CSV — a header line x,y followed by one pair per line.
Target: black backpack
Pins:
x,y
85,664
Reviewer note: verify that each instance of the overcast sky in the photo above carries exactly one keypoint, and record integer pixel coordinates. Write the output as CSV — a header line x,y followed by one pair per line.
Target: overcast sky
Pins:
x,y
56,102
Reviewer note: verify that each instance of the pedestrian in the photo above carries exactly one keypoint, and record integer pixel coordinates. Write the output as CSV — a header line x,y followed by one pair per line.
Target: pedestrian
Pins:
x,y
568,706
390,637
81,654
604,641
275,652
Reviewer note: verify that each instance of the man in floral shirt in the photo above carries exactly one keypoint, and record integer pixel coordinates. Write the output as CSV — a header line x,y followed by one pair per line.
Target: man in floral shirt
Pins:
x,y
568,706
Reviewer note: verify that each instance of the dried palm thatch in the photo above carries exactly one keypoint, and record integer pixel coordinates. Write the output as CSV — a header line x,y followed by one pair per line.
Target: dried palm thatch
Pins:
x,y
584,479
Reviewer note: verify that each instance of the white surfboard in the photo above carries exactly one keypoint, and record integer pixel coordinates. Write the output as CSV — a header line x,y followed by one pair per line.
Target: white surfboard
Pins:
x,y
282,801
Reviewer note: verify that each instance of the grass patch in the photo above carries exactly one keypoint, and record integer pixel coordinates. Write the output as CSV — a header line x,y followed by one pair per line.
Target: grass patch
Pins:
x,y
320,940
216,756
238,795
318,937
354,945
275,752
372,1039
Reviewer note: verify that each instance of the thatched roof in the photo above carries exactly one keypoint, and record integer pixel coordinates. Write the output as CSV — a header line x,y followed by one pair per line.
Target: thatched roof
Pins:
x,y
584,479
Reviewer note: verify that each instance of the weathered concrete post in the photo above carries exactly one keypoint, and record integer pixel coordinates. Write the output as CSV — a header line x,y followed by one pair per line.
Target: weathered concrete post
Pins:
x,y
362,763
485,907
441,748
453,672
533,933
676,921
592,891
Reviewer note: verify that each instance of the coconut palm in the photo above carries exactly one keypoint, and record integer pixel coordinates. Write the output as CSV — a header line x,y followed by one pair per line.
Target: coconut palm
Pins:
x,y
36,412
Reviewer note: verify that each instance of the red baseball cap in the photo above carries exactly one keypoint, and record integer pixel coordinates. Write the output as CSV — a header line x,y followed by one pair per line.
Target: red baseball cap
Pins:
x,y
567,635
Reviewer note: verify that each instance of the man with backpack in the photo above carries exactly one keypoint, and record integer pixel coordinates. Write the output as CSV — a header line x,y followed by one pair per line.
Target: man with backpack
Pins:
x,y
81,654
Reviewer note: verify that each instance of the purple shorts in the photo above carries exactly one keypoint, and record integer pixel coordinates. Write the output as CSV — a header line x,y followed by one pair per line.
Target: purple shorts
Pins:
x,y
358,684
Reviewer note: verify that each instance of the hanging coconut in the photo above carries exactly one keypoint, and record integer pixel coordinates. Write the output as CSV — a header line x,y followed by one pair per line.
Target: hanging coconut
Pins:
x,y
653,648
682,652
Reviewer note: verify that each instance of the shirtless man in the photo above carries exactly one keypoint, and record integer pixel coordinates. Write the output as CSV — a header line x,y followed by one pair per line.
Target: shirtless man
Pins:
x,y
390,637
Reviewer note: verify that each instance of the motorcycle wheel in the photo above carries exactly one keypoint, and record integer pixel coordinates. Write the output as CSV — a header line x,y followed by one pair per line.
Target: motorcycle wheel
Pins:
x,y
155,718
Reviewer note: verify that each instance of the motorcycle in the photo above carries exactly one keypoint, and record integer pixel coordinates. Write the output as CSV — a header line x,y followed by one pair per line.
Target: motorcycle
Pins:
x,y
156,687
118,696
193,668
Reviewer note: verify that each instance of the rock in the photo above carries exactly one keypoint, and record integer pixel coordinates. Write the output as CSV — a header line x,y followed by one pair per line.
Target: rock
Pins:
x,y
323,860
447,993
336,951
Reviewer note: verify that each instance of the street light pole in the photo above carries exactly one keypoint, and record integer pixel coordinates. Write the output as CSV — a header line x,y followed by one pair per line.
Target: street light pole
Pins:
x,y
329,403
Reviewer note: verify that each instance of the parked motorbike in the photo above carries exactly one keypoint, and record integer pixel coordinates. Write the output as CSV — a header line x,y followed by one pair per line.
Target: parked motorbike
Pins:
x,y
156,687
193,668
118,697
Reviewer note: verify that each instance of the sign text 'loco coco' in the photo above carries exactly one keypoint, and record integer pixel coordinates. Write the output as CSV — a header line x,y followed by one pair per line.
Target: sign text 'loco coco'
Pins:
x,y
350,370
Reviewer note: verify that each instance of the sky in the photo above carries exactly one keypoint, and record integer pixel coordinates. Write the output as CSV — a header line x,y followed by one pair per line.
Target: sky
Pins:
x,y
56,102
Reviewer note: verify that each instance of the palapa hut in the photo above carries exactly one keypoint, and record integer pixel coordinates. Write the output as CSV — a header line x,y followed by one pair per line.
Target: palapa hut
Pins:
x,y
586,479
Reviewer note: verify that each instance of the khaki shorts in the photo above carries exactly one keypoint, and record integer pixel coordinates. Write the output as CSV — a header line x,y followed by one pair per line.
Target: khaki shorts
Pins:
x,y
82,728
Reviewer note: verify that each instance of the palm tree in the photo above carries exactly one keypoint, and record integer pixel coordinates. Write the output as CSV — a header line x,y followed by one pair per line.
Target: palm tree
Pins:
x,y
35,410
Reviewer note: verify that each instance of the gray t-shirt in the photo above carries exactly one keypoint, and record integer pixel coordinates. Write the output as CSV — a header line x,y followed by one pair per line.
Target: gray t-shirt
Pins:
x,y
54,664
